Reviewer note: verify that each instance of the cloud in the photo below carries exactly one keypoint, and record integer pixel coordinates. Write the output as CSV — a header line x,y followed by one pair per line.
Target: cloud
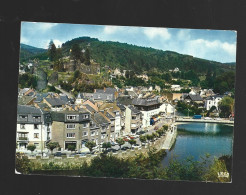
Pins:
x,y
184,34
57,43
24,40
111,29
151,33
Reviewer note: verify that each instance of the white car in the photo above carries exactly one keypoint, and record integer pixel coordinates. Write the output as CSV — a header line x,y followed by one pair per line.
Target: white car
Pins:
x,y
207,118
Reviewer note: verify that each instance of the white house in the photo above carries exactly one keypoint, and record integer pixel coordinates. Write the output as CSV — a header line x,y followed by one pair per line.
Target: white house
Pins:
x,y
33,127
167,108
175,87
148,107
79,99
212,101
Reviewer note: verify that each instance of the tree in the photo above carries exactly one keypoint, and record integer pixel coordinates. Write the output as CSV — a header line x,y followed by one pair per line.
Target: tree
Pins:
x,y
71,147
52,145
142,138
106,145
22,164
31,147
90,145
87,57
52,51
76,52
127,74
120,141
226,106
132,142
76,75
149,137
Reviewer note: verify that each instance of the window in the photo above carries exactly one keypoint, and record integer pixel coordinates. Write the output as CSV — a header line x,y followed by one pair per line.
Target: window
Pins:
x,y
36,135
71,117
70,126
36,144
23,116
86,116
70,135
35,126
85,133
22,126
85,125
92,133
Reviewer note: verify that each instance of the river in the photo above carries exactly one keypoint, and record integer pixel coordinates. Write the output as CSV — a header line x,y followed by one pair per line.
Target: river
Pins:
x,y
197,139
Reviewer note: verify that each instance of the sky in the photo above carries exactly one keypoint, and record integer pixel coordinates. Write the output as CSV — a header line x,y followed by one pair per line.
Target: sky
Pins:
x,y
215,45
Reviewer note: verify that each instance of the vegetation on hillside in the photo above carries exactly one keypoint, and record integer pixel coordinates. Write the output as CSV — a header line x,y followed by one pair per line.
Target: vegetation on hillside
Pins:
x,y
140,166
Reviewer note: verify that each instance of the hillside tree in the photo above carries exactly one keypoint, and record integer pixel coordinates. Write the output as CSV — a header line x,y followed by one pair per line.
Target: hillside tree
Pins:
x,y
52,51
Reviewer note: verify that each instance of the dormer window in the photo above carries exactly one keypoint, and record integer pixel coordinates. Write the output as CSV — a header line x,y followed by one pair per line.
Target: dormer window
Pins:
x,y
86,116
23,116
71,117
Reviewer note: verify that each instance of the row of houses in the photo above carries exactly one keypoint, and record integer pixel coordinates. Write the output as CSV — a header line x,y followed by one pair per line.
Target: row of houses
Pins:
x,y
54,117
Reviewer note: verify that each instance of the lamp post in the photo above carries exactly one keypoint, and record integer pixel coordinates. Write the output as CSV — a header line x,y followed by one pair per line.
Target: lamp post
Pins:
x,y
188,112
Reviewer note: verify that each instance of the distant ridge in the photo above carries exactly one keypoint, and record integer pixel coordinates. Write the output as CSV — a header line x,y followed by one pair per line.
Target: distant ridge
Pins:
x,y
27,51
130,57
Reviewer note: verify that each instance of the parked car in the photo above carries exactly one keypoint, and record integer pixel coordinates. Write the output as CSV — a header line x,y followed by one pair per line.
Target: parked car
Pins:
x,y
207,118
111,150
125,148
84,153
140,132
135,146
218,119
59,154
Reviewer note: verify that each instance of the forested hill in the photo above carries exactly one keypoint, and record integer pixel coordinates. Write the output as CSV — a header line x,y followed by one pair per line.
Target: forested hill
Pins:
x,y
27,52
130,57
126,56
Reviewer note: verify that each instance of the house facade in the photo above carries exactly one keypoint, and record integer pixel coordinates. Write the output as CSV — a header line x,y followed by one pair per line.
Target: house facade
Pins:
x,y
148,107
33,127
71,128
212,101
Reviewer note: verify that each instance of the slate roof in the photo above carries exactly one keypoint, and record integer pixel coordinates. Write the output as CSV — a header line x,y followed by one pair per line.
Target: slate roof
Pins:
x,y
134,109
196,97
55,101
24,109
132,93
43,106
100,119
110,115
124,101
57,116
145,102
64,98
107,90
88,107
25,100
40,96
122,107
214,96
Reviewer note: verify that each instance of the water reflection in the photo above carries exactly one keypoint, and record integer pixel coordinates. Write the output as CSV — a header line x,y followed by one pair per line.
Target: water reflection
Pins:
x,y
197,139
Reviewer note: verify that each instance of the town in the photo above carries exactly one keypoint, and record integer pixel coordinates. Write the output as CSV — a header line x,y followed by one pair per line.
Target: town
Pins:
x,y
108,119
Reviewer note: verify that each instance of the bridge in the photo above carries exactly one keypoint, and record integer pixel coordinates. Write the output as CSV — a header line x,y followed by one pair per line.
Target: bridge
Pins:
x,y
222,121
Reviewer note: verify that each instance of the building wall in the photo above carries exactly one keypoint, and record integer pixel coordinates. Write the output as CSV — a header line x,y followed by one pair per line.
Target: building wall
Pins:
x,y
209,103
58,134
128,121
31,138
146,115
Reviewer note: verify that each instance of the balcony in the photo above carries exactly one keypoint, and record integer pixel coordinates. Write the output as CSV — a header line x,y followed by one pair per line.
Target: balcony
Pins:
x,y
22,139
135,121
